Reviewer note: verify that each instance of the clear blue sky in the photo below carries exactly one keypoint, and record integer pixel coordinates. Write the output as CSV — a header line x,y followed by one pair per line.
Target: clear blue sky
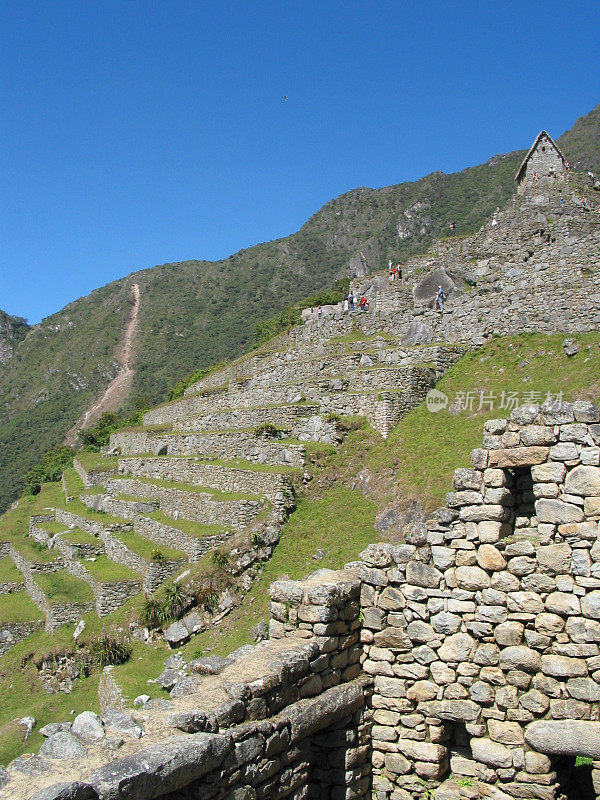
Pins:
x,y
136,132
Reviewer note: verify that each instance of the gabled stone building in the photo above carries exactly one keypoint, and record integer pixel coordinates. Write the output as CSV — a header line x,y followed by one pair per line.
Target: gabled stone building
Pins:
x,y
543,160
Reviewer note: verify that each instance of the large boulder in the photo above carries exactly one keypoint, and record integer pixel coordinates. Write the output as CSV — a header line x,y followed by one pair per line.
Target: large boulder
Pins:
x,y
426,289
566,737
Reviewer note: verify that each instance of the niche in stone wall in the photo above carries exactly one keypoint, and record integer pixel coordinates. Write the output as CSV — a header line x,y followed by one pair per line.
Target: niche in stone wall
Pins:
x,y
461,762
520,483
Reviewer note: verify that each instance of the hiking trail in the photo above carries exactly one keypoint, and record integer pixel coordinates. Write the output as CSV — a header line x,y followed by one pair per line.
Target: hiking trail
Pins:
x,y
116,391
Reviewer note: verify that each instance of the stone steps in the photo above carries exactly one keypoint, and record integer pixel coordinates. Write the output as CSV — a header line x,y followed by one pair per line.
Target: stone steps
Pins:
x,y
195,504
275,486
76,543
96,475
226,445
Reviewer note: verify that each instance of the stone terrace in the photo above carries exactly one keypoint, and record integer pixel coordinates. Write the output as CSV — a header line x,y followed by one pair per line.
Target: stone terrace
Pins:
x,y
464,661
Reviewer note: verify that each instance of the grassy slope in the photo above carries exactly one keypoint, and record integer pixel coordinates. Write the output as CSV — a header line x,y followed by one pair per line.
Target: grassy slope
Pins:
x,y
62,364
415,462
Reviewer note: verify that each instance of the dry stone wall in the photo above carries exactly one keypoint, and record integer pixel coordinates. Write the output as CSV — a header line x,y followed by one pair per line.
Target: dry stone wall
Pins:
x,y
464,661
483,635
276,487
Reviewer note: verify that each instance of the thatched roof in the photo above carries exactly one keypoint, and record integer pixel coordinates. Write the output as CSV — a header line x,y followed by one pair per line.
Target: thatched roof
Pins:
x,y
531,150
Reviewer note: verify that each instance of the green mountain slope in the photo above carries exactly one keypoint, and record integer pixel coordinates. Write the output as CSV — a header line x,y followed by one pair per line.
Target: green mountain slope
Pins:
x,y
195,313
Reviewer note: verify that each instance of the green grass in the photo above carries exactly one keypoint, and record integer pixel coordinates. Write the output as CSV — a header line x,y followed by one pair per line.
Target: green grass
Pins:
x,y
426,447
52,527
144,547
18,608
103,570
9,573
33,552
61,587
196,529
341,523
15,522
73,482
77,536
96,462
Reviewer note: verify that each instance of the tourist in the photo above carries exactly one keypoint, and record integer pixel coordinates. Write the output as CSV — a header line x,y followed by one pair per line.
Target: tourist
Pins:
x,y
399,270
345,306
351,300
319,311
362,303
439,299
452,228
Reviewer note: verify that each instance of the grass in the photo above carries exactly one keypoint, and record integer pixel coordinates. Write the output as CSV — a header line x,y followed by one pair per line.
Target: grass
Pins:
x,y
33,552
18,609
426,447
144,547
61,587
96,462
15,522
52,527
341,523
77,536
196,529
103,570
73,482
9,574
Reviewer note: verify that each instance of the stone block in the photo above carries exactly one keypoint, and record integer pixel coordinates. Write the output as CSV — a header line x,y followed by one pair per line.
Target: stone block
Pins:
x,y
457,648
517,457
583,481
551,472
565,737
491,753
557,512
563,666
425,575
472,579
519,657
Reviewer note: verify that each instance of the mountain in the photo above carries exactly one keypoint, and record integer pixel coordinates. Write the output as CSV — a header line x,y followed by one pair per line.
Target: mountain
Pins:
x,y
195,313
12,331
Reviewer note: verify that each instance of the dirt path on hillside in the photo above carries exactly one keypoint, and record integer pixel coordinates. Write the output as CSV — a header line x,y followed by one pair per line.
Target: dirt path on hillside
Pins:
x,y
116,391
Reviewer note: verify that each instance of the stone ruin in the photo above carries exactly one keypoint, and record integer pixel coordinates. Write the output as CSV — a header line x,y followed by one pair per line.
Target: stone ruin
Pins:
x,y
461,663
543,160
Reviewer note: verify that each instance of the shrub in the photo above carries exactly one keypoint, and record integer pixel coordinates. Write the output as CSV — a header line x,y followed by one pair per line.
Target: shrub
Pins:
x,y
49,468
153,613
156,554
98,436
220,559
175,600
107,650
266,431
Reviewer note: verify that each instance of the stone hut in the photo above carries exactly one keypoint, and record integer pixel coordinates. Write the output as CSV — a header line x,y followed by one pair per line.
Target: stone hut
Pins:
x,y
544,159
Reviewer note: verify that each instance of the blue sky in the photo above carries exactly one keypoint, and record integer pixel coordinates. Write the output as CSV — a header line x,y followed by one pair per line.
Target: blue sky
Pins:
x,y
137,132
